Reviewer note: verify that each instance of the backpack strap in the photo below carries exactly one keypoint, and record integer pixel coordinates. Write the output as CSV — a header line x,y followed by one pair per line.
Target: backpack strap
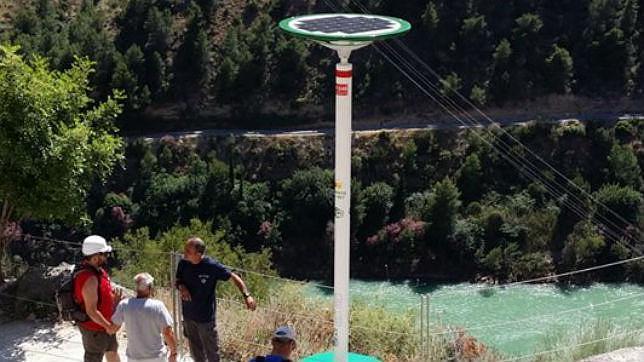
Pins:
x,y
97,273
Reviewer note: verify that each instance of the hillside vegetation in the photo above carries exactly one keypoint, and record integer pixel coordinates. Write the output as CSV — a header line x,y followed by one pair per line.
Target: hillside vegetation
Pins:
x,y
432,204
185,63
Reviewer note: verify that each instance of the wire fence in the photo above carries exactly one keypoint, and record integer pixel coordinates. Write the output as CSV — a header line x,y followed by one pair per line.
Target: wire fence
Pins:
x,y
637,332
424,330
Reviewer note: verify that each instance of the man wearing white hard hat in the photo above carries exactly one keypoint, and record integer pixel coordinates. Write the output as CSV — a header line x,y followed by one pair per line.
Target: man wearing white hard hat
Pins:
x,y
94,293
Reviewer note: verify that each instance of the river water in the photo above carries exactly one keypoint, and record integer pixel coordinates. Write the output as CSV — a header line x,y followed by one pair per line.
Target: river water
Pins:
x,y
515,319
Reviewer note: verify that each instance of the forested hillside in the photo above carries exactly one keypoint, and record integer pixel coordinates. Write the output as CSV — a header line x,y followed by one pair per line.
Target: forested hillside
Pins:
x,y
224,62
437,204
444,204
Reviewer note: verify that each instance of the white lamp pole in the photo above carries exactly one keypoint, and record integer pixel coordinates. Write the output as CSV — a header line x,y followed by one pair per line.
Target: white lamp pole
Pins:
x,y
343,33
342,225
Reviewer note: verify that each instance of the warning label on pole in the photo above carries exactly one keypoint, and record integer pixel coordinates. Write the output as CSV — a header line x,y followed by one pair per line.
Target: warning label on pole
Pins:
x,y
341,89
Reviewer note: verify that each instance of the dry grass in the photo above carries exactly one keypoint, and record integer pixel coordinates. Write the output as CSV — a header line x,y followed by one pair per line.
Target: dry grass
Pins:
x,y
590,339
375,330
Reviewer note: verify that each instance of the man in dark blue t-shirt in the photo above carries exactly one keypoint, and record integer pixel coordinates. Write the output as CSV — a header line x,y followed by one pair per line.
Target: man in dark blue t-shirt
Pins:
x,y
197,277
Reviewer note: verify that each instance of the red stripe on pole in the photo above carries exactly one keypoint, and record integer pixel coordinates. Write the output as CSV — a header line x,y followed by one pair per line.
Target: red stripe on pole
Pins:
x,y
342,89
343,73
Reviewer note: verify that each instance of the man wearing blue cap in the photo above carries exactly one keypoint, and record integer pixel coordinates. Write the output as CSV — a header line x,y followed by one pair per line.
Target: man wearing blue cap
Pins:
x,y
284,344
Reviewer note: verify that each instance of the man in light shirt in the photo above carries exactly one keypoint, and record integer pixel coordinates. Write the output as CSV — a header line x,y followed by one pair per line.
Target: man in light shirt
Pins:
x,y
146,321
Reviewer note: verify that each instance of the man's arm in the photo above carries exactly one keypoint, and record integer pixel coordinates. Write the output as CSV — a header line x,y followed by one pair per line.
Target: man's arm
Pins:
x,y
118,318
171,342
90,298
183,291
250,302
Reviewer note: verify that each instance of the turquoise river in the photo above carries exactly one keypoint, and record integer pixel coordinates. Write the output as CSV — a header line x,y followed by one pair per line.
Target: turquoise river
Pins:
x,y
516,319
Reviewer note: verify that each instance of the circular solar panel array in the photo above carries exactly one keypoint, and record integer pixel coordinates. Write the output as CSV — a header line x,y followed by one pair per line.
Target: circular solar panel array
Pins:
x,y
345,24
345,27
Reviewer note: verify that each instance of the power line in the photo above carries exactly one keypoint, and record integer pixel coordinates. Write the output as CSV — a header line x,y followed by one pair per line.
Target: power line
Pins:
x,y
525,169
456,106
504,153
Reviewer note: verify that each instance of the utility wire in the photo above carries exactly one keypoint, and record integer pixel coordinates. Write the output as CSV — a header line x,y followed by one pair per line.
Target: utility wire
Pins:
x,y
462,110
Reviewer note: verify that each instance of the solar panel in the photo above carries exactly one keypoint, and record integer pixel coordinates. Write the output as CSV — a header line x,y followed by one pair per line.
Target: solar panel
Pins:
x,y
345,24
345,28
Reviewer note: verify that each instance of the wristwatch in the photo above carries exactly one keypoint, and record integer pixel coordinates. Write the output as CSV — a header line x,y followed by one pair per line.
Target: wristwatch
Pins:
x,y
246,295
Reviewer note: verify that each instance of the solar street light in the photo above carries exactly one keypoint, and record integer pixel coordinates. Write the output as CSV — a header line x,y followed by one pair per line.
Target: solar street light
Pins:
x,y
343,33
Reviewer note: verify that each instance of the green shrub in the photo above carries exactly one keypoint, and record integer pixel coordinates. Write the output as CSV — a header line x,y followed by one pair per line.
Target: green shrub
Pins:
x,y
153,256
583,246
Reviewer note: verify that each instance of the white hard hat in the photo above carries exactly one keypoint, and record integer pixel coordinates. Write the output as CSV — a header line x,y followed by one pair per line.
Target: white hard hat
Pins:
x,y
94,244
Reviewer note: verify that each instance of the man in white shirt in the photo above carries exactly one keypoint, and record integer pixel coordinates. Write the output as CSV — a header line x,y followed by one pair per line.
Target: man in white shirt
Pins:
x,y
146,321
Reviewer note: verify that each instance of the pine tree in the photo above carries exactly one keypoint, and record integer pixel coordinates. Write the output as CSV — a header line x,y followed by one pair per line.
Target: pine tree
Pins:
x,y
559,67
156,77
158,31
500,84
131,24
193,65
430,17
474,51
527,56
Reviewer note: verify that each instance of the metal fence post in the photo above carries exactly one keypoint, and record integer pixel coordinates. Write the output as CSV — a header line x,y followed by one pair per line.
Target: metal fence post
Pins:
x,y
175,317
427,326
421,326
177,258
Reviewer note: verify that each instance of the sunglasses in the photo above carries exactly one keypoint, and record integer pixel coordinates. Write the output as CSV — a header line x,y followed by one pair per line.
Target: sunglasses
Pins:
x,y
282,340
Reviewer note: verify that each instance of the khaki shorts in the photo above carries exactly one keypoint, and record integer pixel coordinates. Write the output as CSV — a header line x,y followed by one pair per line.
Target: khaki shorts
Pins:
x,y
96,344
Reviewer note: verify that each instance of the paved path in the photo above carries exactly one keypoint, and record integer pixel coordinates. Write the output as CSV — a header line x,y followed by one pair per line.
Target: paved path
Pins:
x,y
35,341
634,354
39,342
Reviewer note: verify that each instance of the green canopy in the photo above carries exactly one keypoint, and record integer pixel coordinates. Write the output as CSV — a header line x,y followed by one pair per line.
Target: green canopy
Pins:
x,y
328,357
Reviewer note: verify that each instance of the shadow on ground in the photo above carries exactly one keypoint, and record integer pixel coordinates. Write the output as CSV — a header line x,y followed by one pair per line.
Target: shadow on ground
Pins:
x,y
31,340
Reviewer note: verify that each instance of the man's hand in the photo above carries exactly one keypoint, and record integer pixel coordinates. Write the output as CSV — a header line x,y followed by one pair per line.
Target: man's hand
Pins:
x,y
112,329
185,294
250,303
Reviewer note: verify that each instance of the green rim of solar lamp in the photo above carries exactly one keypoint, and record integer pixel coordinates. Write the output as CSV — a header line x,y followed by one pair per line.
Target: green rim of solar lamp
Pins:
x,y
329,357
290,25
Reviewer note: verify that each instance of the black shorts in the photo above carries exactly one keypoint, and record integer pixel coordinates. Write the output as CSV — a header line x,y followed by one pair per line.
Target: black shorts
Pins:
x,y
96,344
